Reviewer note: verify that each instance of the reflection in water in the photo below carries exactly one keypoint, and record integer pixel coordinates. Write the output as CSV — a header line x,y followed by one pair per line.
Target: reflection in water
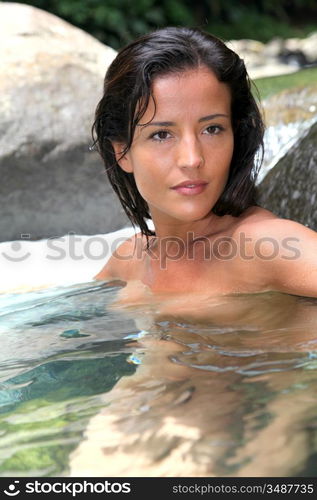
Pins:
x,y
226,386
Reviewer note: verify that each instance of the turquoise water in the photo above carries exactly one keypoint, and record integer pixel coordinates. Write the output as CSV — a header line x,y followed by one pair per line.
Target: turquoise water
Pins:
x,y
60,349
168,387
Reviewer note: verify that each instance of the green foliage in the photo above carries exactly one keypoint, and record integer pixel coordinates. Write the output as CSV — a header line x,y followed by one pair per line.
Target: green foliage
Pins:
x,y
248,23
117,22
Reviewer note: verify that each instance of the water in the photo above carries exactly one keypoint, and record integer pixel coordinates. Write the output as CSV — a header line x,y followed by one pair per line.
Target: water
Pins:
x,y
171,386
60,349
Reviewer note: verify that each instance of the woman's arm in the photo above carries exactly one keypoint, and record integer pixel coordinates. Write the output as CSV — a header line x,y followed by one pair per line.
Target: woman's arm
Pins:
x,y
119,264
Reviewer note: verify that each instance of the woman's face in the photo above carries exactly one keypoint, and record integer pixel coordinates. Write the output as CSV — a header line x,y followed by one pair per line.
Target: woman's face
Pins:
x,y
187,137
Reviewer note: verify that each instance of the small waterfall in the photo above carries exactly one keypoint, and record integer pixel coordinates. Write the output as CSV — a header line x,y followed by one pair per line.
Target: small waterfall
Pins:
x,y
288,180
288,116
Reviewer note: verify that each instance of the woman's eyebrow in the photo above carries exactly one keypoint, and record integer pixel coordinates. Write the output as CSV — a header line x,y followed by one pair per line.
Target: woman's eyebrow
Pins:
x,y
171,124
211,117
156,124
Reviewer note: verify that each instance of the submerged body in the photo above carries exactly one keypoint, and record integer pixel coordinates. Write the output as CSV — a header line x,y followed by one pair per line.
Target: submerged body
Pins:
x,y
232,395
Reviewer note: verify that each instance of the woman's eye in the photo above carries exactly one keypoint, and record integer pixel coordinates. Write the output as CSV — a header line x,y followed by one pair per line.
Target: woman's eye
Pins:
x,y
161,135
213,130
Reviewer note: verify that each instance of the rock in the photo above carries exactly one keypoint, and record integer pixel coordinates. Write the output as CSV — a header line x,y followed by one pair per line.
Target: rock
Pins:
x,y
273,48
290,188
276,57
261,60
272,68
51,80
309,47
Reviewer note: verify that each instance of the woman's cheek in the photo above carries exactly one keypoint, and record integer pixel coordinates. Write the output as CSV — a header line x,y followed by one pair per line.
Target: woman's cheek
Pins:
x,y
146,183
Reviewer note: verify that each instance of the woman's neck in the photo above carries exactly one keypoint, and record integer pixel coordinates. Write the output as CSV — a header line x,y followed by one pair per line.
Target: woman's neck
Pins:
x,y
178,238
187,231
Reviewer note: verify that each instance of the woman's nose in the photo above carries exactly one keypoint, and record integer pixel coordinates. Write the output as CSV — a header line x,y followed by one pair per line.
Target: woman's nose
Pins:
x,y
190,154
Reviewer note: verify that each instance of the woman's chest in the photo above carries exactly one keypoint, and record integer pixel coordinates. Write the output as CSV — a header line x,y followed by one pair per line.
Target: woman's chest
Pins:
x,y
212,276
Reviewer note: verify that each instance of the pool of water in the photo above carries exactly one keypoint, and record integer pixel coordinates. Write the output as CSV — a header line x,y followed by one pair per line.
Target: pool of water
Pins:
x,y
169,386
60,349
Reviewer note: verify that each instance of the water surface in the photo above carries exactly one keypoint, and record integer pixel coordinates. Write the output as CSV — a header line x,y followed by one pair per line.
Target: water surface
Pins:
x,y
171,386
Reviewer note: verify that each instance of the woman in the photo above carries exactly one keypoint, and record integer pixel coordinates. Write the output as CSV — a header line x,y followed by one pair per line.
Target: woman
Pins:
x,y
179,130
180,134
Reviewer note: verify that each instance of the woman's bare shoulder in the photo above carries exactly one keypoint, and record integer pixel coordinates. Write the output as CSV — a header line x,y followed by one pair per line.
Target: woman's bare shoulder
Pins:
x,y
119,264
256,215
283,252
250,223
261,228
263,222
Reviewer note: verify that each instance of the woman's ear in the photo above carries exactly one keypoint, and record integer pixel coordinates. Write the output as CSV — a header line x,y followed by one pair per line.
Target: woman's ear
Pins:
x,y
123,161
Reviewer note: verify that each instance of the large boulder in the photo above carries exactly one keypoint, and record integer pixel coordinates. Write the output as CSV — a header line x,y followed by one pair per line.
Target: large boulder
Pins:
x,y
51,80
289,189
278,56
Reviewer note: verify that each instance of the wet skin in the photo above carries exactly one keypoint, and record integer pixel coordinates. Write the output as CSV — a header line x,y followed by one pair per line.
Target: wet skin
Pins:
x,y
188,137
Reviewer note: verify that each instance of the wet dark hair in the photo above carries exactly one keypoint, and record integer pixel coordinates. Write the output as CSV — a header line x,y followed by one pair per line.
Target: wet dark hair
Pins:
x,y
127,90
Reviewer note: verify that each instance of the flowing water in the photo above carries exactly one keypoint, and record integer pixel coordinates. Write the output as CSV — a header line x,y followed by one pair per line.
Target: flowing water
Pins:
x,y
288,117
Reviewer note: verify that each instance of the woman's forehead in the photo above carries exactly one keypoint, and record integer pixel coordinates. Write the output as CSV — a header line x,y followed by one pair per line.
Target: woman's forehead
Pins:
x,y
189,90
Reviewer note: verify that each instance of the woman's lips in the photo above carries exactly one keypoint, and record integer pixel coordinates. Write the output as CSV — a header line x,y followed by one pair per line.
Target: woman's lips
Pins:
x,y
187,190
